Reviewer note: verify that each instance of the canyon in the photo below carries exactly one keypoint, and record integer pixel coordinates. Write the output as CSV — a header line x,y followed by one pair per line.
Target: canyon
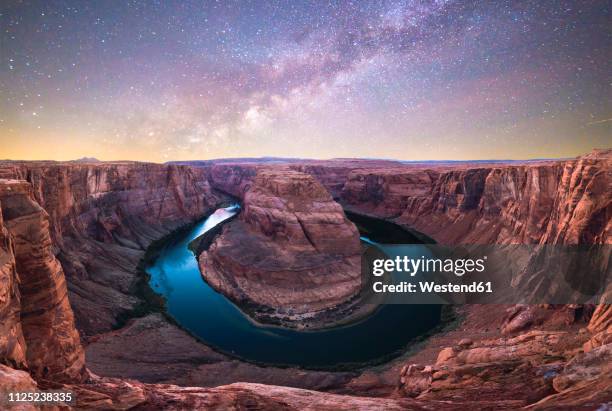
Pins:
x,y
291,250
76,314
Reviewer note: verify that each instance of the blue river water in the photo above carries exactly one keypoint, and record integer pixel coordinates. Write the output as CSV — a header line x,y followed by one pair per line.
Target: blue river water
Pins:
x,y
218,322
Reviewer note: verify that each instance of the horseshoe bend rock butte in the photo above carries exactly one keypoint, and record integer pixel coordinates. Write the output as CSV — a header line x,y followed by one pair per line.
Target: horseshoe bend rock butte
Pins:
x,y
291,249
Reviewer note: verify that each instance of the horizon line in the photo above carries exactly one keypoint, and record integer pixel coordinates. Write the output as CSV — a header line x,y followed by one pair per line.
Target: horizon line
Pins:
x,y
87,159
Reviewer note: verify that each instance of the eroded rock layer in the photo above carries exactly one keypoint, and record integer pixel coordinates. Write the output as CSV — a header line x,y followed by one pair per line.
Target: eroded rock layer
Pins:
x,y
558,202
12,343
103,216
99,218
53,347
291,249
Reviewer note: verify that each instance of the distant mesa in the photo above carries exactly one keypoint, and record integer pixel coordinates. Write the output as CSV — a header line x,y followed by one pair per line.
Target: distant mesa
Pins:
x,y
86,160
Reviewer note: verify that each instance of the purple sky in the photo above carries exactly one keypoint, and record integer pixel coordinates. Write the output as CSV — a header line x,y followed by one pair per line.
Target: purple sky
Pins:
x,y
409,80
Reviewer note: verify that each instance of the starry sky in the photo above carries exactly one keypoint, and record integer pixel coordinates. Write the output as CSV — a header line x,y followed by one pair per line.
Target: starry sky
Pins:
x,y
413,80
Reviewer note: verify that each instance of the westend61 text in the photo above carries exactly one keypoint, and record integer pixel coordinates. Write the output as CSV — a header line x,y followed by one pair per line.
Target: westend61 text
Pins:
x,y
431,287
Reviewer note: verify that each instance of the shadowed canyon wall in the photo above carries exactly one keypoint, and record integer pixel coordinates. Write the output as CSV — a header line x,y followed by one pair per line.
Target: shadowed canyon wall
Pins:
x,y
557,202
102,218
12,343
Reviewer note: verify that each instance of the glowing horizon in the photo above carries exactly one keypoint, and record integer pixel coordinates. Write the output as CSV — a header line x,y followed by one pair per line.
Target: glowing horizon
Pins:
x,y
405,80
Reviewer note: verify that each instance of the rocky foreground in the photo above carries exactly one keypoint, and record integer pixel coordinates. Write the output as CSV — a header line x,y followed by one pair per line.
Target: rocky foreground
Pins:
x,y
71,237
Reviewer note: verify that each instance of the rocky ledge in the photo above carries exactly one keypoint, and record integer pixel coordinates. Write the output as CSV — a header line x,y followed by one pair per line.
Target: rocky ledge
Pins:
x,y
556,365
291,256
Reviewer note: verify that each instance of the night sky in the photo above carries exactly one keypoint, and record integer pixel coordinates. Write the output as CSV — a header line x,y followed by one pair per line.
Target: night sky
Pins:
x,y
164,80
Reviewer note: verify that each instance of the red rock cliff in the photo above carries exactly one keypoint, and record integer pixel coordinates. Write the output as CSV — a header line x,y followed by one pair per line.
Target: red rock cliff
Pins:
x,y
102,218
559,202
292,248
53,347
12,343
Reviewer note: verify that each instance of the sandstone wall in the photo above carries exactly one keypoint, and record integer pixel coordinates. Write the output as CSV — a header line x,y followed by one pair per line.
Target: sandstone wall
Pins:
x,y
561,202
234,179
52,343
294,209
12,343
291,249
103,216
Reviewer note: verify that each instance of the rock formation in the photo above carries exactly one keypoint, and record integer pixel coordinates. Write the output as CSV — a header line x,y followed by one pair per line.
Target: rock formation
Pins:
x,y
557,202
114,394
600,327
12,380
12,343
92,222
291,249
512,372
53,347
103,216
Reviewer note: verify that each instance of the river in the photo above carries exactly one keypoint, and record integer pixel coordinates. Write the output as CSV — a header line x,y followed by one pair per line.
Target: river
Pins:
x,y
219,323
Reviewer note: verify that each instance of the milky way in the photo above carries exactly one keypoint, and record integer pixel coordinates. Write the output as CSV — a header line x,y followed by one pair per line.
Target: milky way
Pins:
x,y
399,79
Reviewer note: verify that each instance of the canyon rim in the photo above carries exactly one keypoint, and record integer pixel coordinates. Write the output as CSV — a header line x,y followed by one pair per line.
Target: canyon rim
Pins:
x,y
75,236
